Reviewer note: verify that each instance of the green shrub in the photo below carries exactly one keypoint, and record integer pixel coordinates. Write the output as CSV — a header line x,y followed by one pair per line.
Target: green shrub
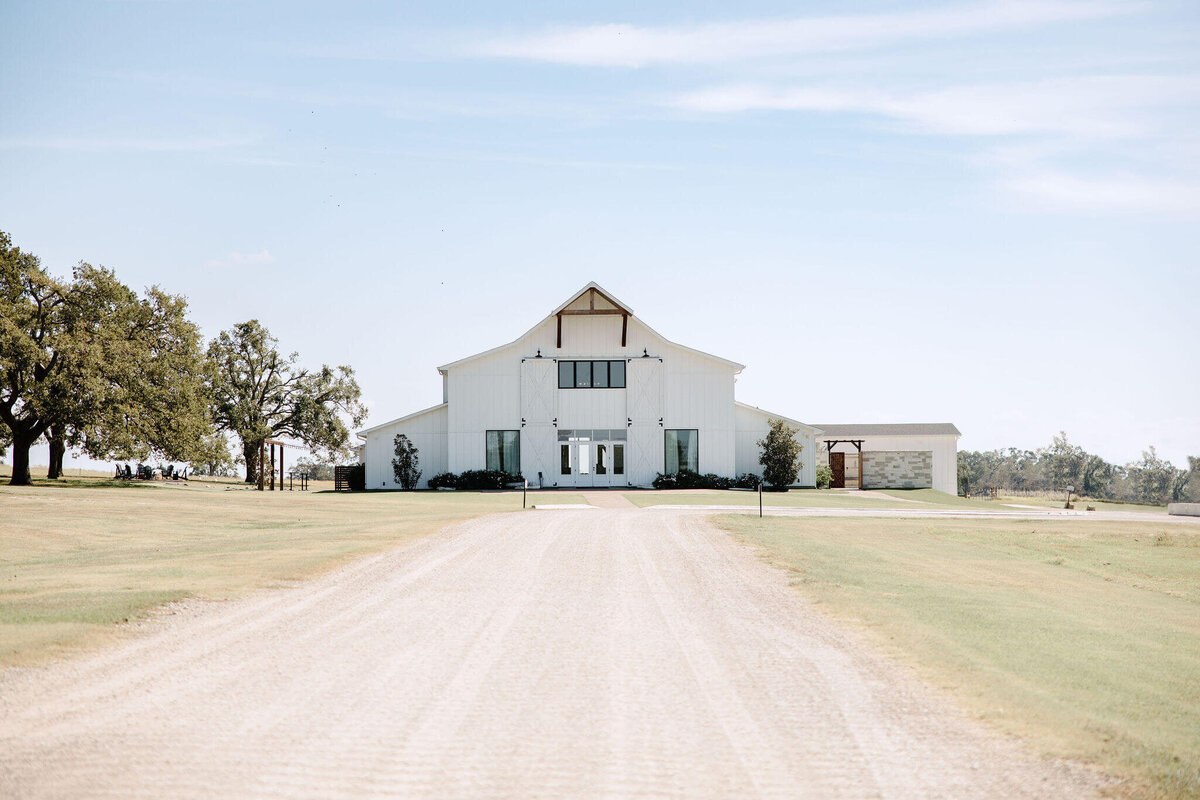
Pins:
x,y
824,476
486,479
445,480
747,480
406,464
687,479
780,455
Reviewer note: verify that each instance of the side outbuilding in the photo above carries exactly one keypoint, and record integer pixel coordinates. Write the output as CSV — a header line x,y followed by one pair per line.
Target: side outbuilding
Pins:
x,y
893,456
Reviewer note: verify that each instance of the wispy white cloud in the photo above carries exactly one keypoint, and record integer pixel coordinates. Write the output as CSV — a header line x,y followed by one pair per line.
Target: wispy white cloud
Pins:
x,y
622,45
1055,190
235,259
1089,107
1093,144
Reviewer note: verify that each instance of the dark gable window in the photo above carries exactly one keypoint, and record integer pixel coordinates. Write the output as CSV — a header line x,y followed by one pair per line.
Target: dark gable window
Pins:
x,y
583,374
591,374
504,451
616,374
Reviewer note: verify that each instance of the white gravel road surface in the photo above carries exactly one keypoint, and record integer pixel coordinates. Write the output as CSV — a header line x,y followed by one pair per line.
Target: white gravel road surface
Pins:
x,y
601,653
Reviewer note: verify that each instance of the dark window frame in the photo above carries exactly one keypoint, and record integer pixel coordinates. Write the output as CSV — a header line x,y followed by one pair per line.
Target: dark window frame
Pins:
x,y
676,430
500,451
591,369
579,375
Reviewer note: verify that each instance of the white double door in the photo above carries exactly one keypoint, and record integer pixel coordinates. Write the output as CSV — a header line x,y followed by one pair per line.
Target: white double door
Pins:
x,y
592,463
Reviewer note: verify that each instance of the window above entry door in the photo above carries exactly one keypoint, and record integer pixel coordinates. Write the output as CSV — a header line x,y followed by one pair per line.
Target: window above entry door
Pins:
x,y
597,374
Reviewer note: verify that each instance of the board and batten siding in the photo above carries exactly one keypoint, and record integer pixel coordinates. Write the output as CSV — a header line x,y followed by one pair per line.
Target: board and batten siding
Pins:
x,y
426,429
696,392
753,424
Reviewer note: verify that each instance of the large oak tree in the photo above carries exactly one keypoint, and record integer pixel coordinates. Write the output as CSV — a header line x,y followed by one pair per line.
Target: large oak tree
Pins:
x,y
89,364
259,394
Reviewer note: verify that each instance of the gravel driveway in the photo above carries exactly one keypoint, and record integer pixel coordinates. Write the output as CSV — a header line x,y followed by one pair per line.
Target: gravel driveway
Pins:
x,y
541,654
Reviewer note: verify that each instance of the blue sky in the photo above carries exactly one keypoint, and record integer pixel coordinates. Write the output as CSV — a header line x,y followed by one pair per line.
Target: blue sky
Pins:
x,y
976,212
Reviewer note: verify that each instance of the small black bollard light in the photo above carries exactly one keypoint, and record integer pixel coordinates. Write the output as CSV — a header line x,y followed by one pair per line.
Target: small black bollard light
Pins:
x,y
524,489
760,483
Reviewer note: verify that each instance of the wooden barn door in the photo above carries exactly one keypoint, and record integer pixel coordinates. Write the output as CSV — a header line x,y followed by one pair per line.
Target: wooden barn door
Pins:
x,y
539,407
644,408
837,463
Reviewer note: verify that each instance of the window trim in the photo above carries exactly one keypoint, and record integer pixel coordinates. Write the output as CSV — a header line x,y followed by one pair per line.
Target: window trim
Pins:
x,y
500,450
676,430
592,361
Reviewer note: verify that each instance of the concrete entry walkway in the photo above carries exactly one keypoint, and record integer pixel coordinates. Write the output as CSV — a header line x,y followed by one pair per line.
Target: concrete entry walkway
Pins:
x,y
608,499
596,653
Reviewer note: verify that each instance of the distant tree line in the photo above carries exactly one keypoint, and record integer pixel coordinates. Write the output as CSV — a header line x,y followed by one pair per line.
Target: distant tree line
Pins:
x,y
88,364
1061,464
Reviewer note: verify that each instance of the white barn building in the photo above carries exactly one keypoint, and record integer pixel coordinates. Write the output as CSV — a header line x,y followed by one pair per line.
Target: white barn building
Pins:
x,y
590,396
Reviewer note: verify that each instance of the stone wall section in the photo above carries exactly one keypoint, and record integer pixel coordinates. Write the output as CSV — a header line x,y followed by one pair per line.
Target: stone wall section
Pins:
x,y
897,469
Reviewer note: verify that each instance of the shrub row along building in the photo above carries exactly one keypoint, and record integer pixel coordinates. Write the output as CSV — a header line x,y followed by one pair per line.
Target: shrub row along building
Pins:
x,y
593,396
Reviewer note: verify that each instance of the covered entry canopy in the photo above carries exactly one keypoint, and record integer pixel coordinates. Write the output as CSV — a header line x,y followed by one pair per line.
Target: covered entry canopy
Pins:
x,y
838,465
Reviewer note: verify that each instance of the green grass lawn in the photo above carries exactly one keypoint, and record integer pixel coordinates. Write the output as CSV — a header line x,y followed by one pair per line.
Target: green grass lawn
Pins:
x,y
796,498
1081,503
815,498
1082,636
76,561
934,497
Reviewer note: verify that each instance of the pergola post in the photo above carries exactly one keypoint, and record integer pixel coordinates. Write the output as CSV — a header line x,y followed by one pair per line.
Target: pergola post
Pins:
x,y
262,464
858,443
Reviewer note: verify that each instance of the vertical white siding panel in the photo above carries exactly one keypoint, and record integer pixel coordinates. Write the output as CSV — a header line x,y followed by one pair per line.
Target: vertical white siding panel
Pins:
x,y
427,431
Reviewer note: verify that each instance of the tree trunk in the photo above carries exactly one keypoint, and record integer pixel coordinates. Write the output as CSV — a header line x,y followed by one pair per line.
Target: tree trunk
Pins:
x,y
20,469
250,453
58,446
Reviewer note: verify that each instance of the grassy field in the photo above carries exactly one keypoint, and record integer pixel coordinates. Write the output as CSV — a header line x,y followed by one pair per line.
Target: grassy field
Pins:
x,y
1083,636
76,560
1081,503
874,498
811,498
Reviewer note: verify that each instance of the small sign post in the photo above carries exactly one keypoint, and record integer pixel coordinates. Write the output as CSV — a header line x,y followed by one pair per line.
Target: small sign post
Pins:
x,y
524,489
760,483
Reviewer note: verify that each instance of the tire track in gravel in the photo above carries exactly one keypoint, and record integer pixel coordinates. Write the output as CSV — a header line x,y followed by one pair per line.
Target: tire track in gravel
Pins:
x,y
600,653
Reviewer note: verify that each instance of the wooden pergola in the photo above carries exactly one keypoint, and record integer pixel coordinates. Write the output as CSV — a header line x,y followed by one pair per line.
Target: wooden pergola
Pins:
x,y
831,443
262,462
592,311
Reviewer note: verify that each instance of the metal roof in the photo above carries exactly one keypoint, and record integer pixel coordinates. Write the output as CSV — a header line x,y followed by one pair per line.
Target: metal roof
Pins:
x,y
363,433
765,413
892,429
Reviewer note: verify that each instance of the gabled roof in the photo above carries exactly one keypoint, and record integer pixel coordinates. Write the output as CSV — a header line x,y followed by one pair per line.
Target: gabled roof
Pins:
x,y
810,428
363,433
609,297
893,429
594,287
